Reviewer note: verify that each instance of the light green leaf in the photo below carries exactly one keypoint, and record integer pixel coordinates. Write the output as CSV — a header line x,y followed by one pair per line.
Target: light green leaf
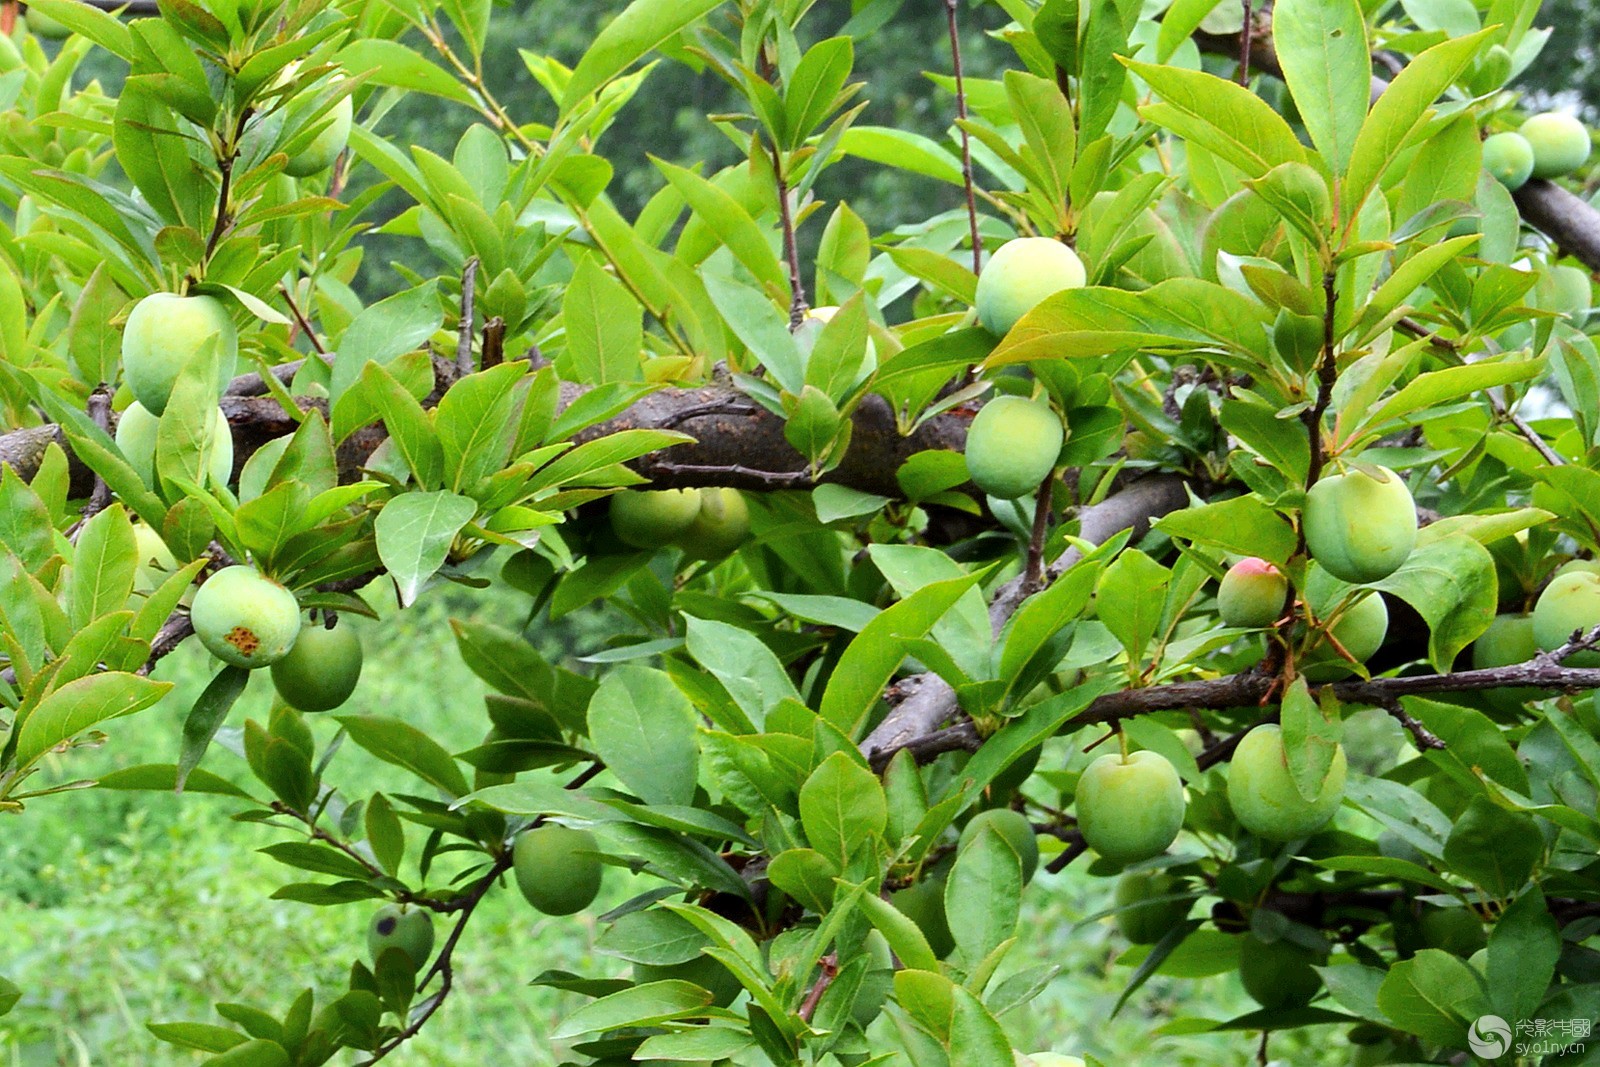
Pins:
x,y
644,729
414,535
642,25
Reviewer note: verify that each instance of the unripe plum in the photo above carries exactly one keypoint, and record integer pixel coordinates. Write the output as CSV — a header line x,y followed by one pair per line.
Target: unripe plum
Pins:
x,y
1278,974
136,437
653,519
702,971
1358,527
1012,444
156,560
1252,593
1566,290
1508,157
164,333
719,527
1571,602
1141,916
407,929
1011,825
1359,630
1020,274
245,618
326,146
1130,808
1560,144
321,670
1263,795
1508,640
555,868
1457,931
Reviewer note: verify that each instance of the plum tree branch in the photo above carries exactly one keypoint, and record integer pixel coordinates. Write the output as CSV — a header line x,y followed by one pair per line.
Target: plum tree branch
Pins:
x,y
967,180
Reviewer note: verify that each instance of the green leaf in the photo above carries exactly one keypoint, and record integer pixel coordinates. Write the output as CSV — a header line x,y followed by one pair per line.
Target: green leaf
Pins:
x,y
1523,950
1425,996
642,25
474,425
645,731
385,834
903,149
1494,849
1129,596
1311,735
9,995
163,778
1322,46
207,714
984,892
813,89
95,346
975,1035
1225,118
1451,582
394,64
806,875
385,330
415,532
103,566
257,1053
842,808
406,746
1242,524
749,670
604,334
731,223
906,939
81,704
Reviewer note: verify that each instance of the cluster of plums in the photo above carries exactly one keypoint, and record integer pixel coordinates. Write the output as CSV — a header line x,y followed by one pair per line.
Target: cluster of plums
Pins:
x,y
705,523
1551,145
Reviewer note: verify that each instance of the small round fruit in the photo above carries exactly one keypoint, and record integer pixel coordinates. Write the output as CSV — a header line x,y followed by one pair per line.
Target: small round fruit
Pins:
x,y
702,971
1130,808
407,929
1560,144
1358,527
245,618
1252,593
321,670
1508,640
1359,630
1458,931
1142,917
719,527
653,519
326,146
1278,974
1570,603
164,332
1013,827
923,903
1508,157
1012,445
556,869
1263,795
156,561
136,437
1566,290
1020,274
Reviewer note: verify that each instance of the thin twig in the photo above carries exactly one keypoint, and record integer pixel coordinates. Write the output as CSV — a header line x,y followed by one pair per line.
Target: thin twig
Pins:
x,y
1423,737
1033,576
740,476
830,970
300,317
1244,44
99,408
950,7
791,249
469,281
494,343
697,411
1327,376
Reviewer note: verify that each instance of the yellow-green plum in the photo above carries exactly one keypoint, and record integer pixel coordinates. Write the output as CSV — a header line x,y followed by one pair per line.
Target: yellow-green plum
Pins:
x,y
1020,274
408,929
1569,604
1560,144
1130,807
1012,445
245,618
1252,593
1359,629
1142,916
556,869
1566,290
1263,795
136,437
719,527
321,670
1360,528
326,146
163,334
1278,974
1508,640
653,519
923,903
1013,827
1508,157
1457,931
702,971
156,561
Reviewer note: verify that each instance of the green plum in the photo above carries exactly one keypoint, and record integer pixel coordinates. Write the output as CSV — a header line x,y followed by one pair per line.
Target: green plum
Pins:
x,y
1457,931
1569,604
719,527
405,928
1020,274
556,869
163,334
1252,593
156,561
653,519
321,670
1263,795
1142,916
1508,640
1013,827
1360,528
1566,290
1359,629
327,144
245,618
1278,974
1560,144
136,438
1012,445
1508,157
1130,807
